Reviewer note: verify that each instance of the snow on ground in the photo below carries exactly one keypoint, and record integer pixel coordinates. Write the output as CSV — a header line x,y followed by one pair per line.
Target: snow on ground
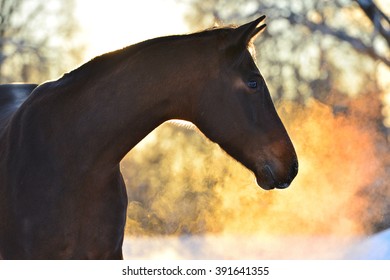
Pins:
x,y
376,247
258,247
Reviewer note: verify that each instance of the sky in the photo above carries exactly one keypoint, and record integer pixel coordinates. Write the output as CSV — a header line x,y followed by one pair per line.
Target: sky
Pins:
x,y
110,25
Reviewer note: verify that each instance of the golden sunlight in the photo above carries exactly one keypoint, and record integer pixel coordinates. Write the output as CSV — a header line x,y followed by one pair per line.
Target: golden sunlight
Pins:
x,y
189,187
221,197
114,24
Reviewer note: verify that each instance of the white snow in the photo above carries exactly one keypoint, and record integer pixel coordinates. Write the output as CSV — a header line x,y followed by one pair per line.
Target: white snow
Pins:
x,y
258,247
376,247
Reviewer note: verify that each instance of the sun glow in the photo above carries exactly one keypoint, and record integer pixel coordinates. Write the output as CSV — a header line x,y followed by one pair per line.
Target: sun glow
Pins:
x,y
192,194
111,25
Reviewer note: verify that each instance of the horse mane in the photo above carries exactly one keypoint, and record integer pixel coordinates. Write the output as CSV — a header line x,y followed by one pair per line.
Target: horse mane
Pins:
x,y
110,59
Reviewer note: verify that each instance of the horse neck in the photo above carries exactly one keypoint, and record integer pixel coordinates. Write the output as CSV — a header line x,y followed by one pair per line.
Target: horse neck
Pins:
x,y
104,109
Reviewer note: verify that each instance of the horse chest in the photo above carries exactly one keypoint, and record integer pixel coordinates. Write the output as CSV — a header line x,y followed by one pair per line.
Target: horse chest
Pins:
x,y
59,221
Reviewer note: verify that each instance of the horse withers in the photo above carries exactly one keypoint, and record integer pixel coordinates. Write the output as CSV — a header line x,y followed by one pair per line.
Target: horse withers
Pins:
x,y
11,97
62,195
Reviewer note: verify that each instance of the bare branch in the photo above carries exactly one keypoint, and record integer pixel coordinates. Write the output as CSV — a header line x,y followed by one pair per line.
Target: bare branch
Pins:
x,y
378,18
356,43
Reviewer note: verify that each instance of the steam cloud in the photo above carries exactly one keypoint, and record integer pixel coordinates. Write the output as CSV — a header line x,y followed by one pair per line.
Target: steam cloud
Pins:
x,y
180,184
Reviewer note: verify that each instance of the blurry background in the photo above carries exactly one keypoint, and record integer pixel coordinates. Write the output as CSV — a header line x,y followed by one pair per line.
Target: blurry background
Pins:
x,y
327,65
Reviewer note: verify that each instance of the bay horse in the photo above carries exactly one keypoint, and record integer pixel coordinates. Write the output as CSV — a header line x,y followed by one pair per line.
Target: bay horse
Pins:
x,y
62,195
11,97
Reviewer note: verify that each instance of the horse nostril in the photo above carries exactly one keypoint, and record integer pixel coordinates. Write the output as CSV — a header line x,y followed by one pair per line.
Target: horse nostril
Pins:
x,y
294,169
279,181
269,172
295,165
283,186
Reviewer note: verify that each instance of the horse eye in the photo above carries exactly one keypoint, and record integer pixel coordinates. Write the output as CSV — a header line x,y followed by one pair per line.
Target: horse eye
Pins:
x,y
252,84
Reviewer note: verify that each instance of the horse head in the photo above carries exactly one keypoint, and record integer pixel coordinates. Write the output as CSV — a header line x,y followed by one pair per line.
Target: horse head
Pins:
x,y
236,111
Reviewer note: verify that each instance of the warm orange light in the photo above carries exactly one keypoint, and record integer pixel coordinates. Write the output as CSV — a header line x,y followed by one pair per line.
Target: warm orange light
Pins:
x,y
179,183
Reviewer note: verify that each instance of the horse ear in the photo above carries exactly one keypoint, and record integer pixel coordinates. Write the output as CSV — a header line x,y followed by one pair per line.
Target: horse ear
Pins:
x,y
247,32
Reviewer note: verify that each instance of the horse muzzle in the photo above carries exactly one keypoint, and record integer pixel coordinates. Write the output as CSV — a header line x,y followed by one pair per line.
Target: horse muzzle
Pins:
x,y
270,177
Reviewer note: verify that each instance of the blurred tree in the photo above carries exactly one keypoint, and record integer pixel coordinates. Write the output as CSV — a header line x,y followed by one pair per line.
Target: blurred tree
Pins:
x,y
36,39
310,48
378,18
